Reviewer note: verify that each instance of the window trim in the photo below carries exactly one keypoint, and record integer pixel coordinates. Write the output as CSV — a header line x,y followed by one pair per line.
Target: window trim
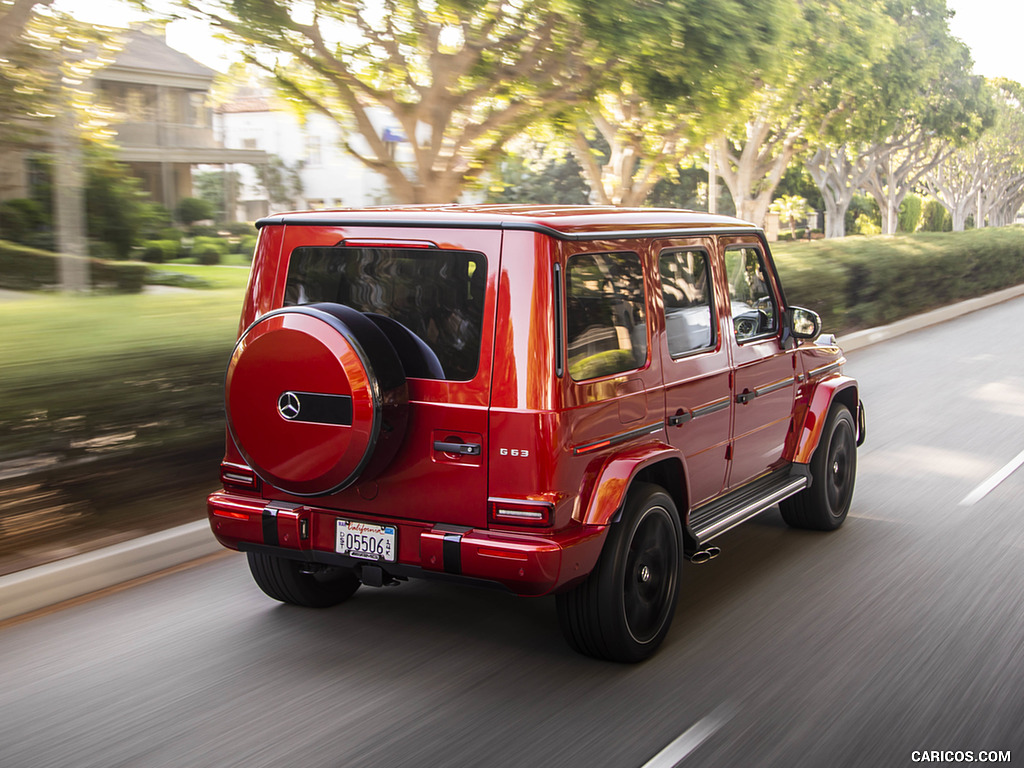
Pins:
x,y
559,300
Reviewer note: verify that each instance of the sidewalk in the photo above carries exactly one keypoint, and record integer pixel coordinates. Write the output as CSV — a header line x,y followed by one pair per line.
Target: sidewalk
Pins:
x,y
47,585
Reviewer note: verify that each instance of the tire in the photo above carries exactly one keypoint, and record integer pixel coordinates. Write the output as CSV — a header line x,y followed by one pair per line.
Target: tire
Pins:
x,y
285,580
624,609
823,506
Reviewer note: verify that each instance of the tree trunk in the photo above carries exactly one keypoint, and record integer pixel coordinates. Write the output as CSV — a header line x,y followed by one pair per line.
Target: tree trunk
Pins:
x,y
959,215
837,178
69,202
752,172
636,162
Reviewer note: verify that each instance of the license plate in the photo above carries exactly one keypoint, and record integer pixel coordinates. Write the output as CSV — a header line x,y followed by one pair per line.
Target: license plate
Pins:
x,y
366,541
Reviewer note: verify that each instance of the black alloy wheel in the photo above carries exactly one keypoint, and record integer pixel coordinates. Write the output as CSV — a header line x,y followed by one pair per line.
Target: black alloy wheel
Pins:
x,y
623,610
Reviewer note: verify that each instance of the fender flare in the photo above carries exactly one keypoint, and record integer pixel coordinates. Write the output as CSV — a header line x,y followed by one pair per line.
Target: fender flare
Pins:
x,y
826,392
609,481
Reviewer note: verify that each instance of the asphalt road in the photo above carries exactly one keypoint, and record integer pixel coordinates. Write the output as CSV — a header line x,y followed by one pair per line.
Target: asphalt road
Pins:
x,y
902,632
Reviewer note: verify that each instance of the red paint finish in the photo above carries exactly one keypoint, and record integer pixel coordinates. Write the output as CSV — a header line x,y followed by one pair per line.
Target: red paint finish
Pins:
x,y
522,431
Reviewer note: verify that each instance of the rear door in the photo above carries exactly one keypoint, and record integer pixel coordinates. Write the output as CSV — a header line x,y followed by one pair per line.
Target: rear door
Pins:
x,y
440,285
696,363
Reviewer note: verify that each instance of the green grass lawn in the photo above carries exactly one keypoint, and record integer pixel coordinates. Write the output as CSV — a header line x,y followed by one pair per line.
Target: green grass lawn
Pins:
x,y
229,276
80,368
77,332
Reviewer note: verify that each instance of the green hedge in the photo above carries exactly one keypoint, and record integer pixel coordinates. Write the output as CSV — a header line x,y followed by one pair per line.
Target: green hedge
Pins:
x,y
159,251
858,282
98,375
27,269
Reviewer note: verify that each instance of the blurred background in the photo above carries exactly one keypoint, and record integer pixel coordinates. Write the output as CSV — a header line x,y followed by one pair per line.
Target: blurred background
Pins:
x,y
140,142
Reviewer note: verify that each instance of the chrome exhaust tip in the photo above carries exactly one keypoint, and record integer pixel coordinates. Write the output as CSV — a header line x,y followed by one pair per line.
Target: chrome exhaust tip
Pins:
x,y
703,555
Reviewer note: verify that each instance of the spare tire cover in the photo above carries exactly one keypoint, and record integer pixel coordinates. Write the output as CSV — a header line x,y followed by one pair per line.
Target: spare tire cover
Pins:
x,y
316,398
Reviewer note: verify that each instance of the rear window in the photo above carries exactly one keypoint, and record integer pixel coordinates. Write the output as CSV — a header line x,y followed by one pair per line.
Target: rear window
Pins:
x,y
429,302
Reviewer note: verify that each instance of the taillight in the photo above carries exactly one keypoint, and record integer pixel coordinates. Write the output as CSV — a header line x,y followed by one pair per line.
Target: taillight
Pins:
x,y
520,512
238,476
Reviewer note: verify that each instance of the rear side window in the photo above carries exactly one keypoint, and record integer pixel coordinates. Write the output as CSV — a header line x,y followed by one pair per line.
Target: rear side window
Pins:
x,y
429,302
605,318
686,290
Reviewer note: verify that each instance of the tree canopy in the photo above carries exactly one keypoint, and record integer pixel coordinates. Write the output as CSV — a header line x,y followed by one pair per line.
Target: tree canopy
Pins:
x,y
674,73
429,92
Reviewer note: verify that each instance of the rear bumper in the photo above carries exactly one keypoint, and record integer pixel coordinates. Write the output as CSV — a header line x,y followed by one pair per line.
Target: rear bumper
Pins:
x,y
522,563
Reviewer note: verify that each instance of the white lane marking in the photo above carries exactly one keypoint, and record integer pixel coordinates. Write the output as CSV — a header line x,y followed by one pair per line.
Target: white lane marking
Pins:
x,y
990,485
672,755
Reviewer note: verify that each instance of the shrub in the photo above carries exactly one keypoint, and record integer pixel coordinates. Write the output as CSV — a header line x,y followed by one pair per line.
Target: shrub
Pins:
x,y
207,253
169,233
862,205
20,219
119,277
909,216
865,225
193,209
935,218
864,282
246,245
238,228
203,230
152,252
159,251
101,250
222,246
28,269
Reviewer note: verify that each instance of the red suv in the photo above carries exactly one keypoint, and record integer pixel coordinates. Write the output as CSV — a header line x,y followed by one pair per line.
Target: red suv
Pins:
x,y
547,400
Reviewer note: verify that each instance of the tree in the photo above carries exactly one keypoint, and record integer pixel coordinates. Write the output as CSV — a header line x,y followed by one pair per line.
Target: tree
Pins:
x,y
217,188
672,71
644,142
118,213
804,101
533,177
456,78
281,182
887,130
47,57
987,177
193,209
790,208
687,187
14,18
911,85
753,159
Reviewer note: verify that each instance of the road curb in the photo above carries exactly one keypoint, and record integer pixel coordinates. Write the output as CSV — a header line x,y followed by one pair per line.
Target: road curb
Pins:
x,y
861,339
53,583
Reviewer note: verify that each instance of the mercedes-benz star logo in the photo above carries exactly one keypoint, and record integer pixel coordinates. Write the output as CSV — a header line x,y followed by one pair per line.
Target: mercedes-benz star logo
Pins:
x,y
288,405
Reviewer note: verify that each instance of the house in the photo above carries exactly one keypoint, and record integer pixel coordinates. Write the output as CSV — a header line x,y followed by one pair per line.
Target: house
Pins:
x,y
164,124
312,146
158,102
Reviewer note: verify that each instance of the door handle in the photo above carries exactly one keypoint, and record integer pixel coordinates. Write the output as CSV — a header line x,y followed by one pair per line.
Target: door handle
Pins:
x,y
679,419
460,449
745,397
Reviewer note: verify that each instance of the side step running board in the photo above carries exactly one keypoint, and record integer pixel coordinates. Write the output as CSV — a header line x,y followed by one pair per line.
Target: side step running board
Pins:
x,y
726,513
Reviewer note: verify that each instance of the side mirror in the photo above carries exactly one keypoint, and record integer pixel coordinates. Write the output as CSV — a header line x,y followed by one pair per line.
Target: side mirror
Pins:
x,y
803,324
